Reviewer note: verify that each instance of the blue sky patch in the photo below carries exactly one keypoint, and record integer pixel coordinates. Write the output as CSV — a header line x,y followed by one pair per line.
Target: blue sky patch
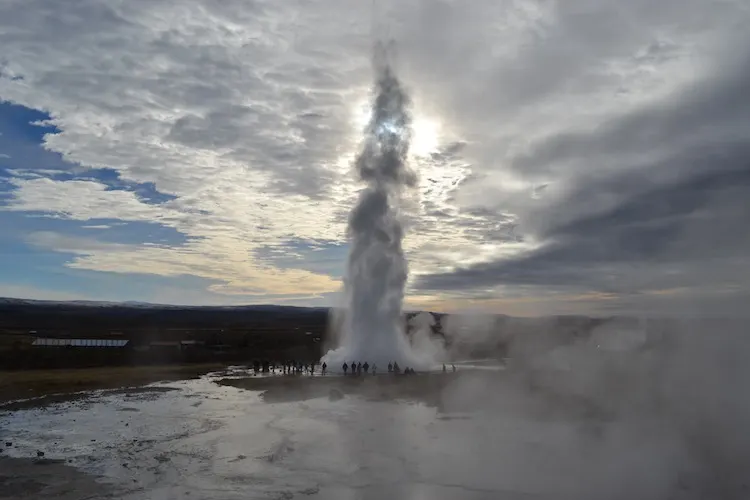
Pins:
x,y
22,155
318,256
21,139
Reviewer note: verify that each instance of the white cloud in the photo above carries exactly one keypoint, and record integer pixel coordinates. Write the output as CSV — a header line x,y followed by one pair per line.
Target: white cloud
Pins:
x,y
243,111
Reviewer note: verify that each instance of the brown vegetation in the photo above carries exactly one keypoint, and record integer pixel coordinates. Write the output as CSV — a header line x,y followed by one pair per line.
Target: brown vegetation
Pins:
x,y
61,383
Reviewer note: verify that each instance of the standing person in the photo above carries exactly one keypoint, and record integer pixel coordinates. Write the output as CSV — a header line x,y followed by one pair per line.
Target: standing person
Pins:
x,y
454,368
345,367
444,369
390,367
323,367
312,368
359,368
366,367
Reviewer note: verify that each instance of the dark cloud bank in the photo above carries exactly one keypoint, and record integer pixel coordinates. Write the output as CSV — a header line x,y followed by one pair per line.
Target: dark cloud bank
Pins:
x,y
657,200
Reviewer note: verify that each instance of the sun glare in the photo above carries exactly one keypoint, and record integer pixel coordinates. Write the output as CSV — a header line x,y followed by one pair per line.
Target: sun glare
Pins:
x,y
425,132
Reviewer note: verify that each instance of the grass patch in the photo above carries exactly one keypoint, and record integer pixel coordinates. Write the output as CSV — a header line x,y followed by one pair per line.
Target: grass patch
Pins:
x,y
35,383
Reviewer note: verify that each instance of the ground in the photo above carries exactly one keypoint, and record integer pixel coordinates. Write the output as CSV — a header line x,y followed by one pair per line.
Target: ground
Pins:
x,y
42,387
477,434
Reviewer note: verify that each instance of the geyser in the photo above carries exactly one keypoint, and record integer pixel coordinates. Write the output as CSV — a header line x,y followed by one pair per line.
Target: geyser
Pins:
x,y
377,269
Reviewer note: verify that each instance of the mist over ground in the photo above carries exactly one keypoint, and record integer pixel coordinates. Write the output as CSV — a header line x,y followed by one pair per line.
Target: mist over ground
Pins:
x,y
644,408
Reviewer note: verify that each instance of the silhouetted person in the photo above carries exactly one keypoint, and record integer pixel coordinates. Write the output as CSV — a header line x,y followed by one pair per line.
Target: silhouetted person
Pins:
x,y
366,367
323,368
444,369
359,368
312,368
390,368
345,367
396,368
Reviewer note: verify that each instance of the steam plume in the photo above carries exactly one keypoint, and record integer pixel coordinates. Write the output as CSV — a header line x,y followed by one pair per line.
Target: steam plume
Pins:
x,y
377,269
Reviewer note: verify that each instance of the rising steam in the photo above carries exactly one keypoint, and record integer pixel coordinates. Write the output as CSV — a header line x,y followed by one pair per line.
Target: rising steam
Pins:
x,y
377,269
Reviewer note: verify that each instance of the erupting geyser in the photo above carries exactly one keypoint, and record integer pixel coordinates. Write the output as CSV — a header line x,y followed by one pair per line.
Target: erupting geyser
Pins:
x,y
377,269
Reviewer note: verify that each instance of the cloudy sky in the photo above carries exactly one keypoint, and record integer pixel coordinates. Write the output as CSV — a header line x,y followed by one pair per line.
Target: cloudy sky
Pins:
x,y
577,156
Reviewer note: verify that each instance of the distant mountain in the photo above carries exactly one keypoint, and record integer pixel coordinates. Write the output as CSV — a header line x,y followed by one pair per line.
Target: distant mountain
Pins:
x,y
9,301
24,314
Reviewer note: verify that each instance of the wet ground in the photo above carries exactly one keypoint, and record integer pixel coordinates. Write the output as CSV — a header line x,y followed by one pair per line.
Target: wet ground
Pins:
x,y
201,440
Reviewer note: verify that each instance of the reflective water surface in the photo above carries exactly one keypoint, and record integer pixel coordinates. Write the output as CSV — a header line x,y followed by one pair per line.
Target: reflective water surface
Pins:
x,y
196,439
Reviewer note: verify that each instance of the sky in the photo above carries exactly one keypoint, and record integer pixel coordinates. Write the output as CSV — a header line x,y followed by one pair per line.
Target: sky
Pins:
x,y
574,157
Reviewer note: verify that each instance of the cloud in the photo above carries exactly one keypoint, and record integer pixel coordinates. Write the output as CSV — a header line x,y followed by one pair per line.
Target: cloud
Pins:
x,y
576,149
651,199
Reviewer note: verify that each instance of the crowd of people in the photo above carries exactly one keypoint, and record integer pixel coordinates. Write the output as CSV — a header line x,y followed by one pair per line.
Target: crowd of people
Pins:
x,y
359,368
287,367
353,368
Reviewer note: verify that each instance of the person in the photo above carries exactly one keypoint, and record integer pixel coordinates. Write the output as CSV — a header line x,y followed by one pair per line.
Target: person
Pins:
x,y
345,367
366,367
390,367
454,368
444,369
396,368
312,368
359,368
323,367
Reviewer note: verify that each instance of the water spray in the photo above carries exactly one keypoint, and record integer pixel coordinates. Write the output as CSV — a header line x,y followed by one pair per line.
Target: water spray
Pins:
x,y
377,270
